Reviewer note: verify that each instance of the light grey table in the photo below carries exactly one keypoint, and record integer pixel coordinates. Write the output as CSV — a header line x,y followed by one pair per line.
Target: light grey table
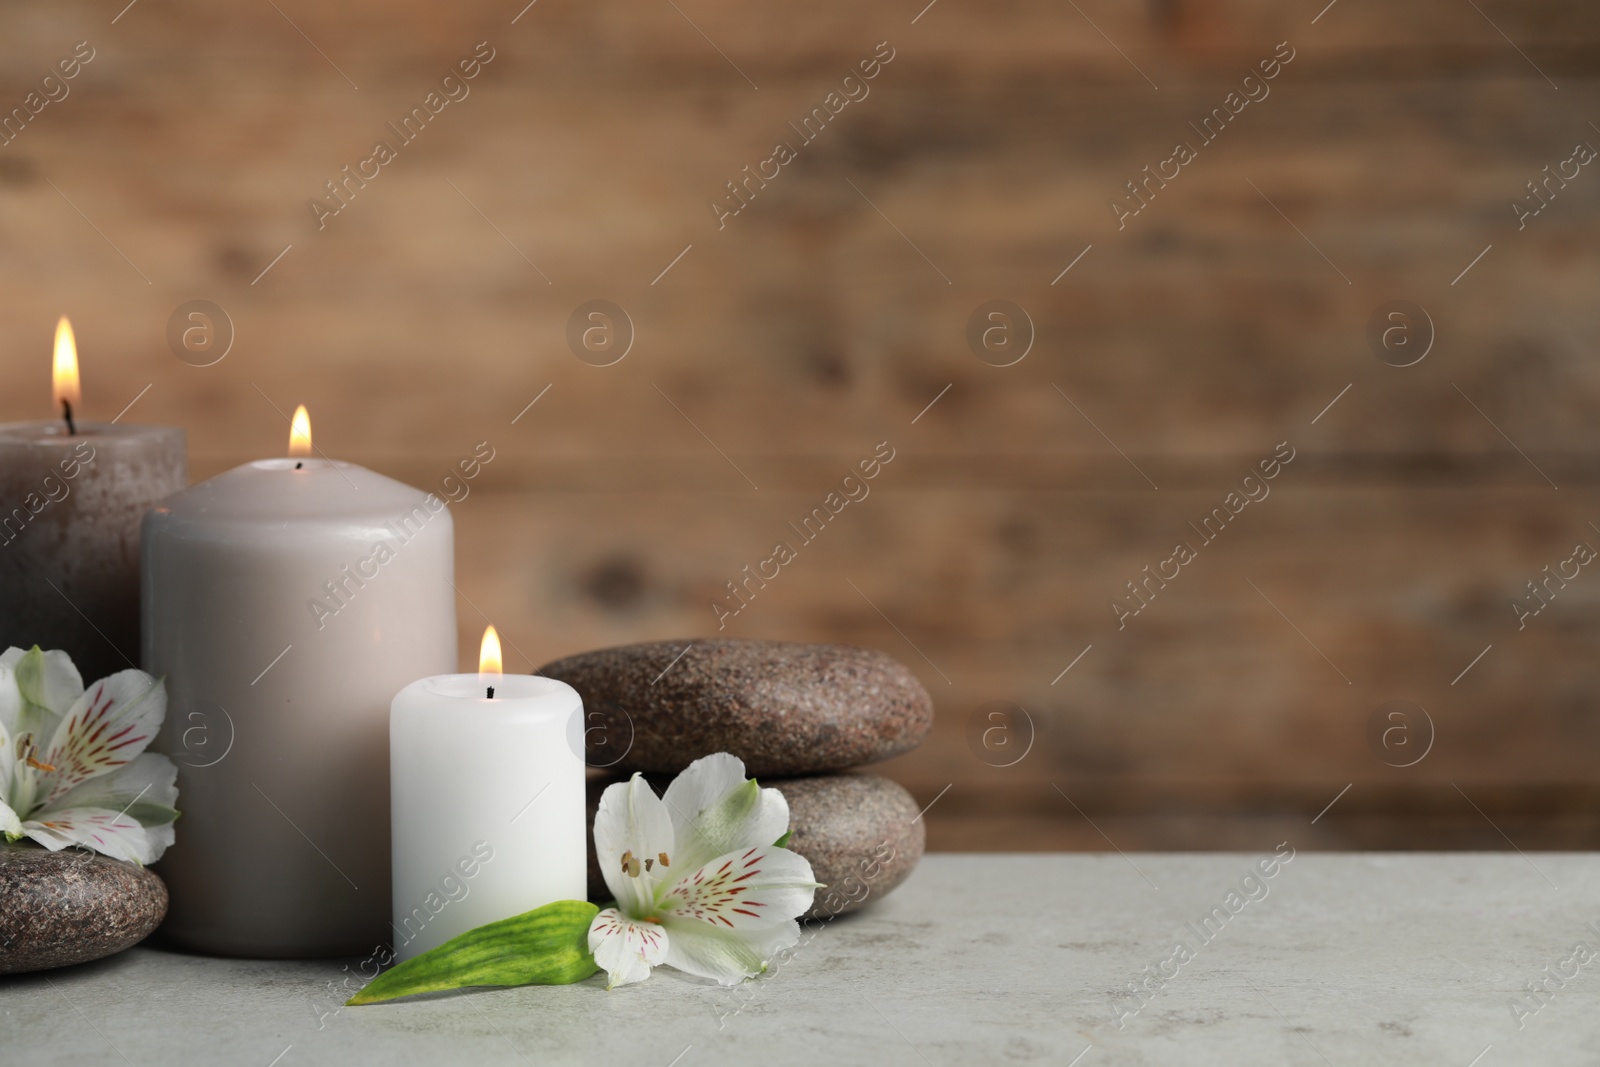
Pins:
x,y
1354,959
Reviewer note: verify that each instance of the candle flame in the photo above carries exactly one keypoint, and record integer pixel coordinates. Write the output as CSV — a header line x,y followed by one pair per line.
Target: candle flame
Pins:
x,y
300,433
64,372
489,656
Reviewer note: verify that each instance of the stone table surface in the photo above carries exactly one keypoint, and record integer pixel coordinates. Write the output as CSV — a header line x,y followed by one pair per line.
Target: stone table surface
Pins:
x,y
1354,959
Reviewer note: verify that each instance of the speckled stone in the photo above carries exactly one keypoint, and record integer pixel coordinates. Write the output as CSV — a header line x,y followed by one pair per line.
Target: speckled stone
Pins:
x,y
783,708
69,907
860,832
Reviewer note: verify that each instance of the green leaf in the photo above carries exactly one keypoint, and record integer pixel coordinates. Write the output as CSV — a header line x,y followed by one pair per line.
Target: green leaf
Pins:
x,y
545,946
783,842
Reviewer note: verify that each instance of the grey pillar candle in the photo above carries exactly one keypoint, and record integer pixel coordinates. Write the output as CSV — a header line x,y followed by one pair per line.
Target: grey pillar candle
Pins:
x,y
286,602
70,505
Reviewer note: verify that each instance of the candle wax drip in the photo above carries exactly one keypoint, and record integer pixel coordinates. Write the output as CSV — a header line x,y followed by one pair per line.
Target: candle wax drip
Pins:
x,y
66,413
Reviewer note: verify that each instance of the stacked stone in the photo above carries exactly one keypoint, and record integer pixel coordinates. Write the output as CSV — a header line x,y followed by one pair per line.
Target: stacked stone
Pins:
x,y
798,715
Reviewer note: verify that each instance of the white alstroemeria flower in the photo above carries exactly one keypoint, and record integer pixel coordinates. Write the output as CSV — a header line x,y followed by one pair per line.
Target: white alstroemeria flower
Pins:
x,y
73,765
699,881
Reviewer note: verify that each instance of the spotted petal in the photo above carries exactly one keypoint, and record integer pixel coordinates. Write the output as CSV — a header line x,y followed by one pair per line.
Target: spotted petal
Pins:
x,y
109,725
631,831
119,836
625,949
761,886
716,810
145,789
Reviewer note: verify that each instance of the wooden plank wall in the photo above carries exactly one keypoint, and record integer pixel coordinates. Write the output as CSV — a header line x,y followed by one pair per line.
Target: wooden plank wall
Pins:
x,y
778,347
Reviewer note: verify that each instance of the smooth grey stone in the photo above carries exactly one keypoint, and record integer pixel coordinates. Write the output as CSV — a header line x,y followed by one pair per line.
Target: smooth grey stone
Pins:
x,y
860,832
783,708
68,907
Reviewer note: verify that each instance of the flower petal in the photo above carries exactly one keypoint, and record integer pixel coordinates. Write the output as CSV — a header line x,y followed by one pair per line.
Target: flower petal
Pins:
x,y
10,704
48,682
8,755
102,829
144,789
716,810
727,956
632,823
754,888
625,949
19,779
108,726
10,825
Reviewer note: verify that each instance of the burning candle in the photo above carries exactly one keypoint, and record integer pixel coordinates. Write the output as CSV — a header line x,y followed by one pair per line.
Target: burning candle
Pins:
x,y
71,496
286,602
487,780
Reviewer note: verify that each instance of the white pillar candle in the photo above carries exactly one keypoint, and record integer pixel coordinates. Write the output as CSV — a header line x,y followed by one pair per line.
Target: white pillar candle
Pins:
x,y
488,808
286,602
71,497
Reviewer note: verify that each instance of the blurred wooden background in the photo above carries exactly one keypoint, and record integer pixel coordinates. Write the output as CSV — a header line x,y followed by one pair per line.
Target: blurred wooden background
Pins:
x,y
828,315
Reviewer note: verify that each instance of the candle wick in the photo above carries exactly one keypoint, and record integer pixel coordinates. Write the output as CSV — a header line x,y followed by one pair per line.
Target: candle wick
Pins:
x,y
491,692
66,411
298,465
